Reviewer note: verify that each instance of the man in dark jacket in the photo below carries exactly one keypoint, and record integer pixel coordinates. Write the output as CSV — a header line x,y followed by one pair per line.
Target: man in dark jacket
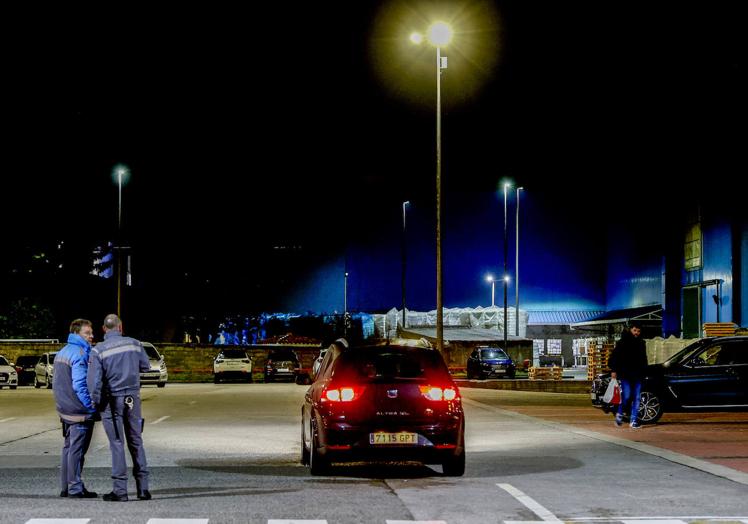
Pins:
x,y
74,405
628,364
114,379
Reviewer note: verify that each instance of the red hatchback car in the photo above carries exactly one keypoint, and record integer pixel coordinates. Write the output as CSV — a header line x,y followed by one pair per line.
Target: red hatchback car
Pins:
x,y
383,403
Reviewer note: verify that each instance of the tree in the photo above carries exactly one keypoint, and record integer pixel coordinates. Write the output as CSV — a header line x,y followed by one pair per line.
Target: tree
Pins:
x,y
27,318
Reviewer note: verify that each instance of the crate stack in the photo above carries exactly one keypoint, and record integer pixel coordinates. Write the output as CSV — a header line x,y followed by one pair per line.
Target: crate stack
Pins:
x,y
719,329
597,359
545,373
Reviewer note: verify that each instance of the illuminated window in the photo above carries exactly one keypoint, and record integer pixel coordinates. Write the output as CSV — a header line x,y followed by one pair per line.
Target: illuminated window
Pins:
x,y
692,244
553,346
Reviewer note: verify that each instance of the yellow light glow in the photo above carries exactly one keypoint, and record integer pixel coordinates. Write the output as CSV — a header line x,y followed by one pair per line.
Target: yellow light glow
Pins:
x,y
416,38
440,34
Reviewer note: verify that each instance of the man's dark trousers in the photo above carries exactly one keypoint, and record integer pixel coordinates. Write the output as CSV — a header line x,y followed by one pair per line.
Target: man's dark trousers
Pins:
x,y
77,439
123,424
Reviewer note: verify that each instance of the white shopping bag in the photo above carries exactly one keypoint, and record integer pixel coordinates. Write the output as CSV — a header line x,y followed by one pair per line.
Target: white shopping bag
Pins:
x,y
610,393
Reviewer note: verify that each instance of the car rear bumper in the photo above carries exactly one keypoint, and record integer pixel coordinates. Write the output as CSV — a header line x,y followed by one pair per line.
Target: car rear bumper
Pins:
x,y
154,378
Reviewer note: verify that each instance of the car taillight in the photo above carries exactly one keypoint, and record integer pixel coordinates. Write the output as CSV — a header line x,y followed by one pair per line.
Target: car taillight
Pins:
x,y
437,393
342,394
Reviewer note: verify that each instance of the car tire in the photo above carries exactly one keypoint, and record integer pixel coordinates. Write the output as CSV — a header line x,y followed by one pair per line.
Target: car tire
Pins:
x,y
318,464
36,382
454,466
48,382
304,450
268,379
216,380
650,408
469,375
161,384
13,387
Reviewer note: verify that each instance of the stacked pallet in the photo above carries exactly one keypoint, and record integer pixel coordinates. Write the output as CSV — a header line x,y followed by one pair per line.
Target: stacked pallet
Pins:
x,y
719,329
597,359
545,373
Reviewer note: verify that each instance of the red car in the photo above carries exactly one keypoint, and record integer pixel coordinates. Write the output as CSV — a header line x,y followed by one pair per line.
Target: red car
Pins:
x,y
383,403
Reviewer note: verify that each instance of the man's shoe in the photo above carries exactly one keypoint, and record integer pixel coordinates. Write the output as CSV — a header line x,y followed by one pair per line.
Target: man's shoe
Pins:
x,y
64,493
635,425
144,495
619,420
85,494
113,497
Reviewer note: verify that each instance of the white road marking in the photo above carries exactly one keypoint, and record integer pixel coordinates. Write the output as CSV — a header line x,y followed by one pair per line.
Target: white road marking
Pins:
x,y
660,519
653,521
416,522
160,419
7,419
292,521
530,503
58,521
177,521
193,402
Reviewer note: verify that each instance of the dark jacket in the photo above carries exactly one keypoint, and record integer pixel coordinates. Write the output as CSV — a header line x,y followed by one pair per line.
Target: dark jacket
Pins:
x,y
72,397
114,367
629,357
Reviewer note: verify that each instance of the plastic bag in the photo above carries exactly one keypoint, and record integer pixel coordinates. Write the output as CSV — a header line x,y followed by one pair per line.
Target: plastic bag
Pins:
x,y
613,393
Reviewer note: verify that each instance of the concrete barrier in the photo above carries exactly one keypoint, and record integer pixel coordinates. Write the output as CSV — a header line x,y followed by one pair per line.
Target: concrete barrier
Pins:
x,y
546,386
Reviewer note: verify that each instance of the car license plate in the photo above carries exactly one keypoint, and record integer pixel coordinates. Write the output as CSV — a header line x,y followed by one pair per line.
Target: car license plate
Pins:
x,y
393,438
593,396
3,379
497,369
285,370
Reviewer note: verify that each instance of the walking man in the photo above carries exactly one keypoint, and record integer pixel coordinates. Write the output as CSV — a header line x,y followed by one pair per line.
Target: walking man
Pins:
x,y
75,407
628,364
114,380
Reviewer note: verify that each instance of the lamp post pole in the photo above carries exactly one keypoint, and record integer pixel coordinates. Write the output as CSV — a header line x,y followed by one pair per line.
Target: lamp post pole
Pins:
x,y
439,297
120,172
506,248
516,269
404,252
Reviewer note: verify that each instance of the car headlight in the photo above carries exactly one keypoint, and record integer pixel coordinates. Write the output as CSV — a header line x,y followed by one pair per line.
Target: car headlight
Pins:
x,y
13,373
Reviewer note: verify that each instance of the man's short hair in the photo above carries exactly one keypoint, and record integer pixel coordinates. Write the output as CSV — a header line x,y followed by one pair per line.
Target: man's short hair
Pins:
x,y
635,324
77,324
111,322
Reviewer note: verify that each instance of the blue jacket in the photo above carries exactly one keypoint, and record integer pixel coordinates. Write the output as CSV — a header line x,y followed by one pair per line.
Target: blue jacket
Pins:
x,y
72,398
114,367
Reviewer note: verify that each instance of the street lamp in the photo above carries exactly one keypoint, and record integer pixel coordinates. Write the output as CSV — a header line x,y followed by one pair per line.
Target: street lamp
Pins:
x,y
516,269
507,185
404,252
492,280
345,293
439,34
120,171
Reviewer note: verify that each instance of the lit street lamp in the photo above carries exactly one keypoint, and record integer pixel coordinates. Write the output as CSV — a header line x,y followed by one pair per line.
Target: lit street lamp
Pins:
x,y
120,172
439,34
507,185
345,293
492,280
404,257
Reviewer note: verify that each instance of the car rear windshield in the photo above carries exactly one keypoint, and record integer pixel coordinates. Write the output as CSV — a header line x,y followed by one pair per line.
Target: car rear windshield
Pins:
x,y
52,358
385,363
27,360
151,352
233,353
282,355
493,353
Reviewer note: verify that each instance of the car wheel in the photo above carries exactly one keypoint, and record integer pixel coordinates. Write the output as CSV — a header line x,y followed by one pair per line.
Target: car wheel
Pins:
x,y
13,387
469,375
454,466
36,382
268,378
161,384
48,381
318,465
304,450
510,375
216,380
650,408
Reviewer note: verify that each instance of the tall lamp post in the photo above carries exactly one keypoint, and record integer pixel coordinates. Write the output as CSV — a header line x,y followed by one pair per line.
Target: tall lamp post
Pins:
x,y
492,280
507,185
439,34
516,269
345,293
404,253
120,172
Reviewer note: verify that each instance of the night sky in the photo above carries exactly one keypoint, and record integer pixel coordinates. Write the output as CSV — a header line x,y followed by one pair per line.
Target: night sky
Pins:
x,y
288,124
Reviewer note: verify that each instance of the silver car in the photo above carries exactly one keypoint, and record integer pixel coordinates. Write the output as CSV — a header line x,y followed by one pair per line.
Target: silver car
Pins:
x,y
8,374
44,370
158,374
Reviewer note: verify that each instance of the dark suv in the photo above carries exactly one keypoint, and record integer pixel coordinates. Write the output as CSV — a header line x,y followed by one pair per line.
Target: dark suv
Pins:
x,y
708,375
25,367
385,403
281,363
486,362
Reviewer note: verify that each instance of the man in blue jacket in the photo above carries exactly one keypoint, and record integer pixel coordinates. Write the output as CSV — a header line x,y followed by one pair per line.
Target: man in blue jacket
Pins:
x,y
114,379
75,407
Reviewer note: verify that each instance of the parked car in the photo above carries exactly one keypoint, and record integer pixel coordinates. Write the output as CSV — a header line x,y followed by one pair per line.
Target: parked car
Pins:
x,y
383,402
708,375
158,374
232,364
341,343
8,374
485,362
44,370
25,368
281,363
